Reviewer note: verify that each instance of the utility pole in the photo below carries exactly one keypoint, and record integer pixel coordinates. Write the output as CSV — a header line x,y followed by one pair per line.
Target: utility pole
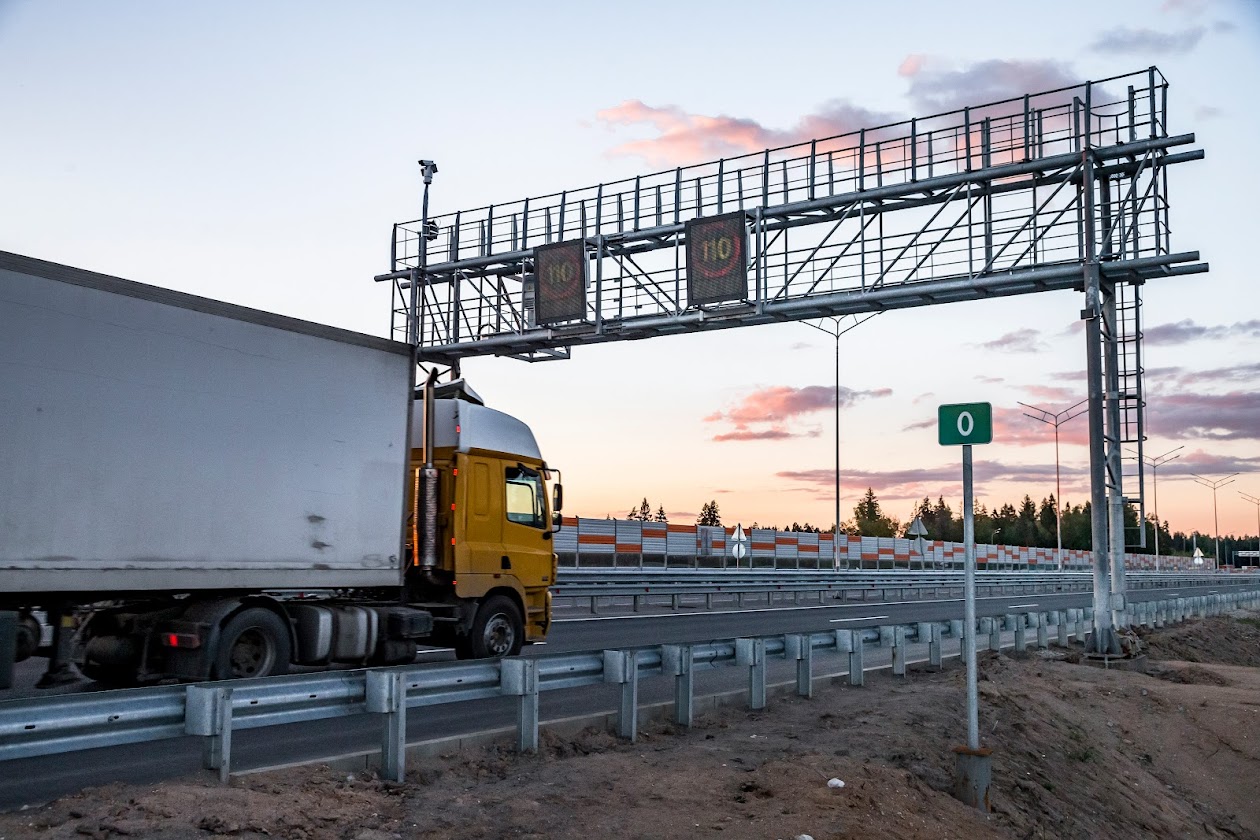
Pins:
x,y
1057,420
1216,522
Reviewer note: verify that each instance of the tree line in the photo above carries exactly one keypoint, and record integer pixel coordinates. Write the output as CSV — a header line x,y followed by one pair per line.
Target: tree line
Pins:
x,y
1029,523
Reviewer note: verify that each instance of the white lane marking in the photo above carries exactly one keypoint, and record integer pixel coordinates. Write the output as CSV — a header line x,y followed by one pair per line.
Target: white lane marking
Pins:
x,y
1021,606
1171,594
863,618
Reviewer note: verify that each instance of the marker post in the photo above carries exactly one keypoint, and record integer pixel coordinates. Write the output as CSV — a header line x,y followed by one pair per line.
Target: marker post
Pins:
x,y
973,771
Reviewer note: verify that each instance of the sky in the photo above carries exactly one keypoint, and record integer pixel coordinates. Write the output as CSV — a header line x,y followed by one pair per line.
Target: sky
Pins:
x,y
258,153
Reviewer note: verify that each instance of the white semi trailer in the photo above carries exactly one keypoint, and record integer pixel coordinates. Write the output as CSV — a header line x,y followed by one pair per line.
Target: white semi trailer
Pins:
x,y
196,490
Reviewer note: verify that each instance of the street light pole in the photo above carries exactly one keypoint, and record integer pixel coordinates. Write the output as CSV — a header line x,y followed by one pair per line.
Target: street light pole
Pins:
x,y
1216,522
1155,463
835,330
1255,501
1056,420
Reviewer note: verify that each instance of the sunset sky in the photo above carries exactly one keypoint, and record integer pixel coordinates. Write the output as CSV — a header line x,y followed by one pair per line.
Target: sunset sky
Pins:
x,y
259,153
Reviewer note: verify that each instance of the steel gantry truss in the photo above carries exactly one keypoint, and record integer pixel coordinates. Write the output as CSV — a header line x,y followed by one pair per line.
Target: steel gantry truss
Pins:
x,y
1065,189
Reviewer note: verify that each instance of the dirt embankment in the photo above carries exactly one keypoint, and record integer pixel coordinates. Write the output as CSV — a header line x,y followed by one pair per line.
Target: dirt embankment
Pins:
x,y
1078,753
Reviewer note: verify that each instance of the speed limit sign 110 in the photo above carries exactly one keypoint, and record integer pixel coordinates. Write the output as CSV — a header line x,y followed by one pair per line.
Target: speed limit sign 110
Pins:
x,y
964,423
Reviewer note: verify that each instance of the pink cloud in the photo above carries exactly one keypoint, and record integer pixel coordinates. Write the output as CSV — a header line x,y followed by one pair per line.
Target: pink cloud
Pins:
x,y
778,433
911,65
684,138
774,408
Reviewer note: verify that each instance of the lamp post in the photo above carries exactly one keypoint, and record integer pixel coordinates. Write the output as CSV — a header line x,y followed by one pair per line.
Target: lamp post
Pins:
x,y
997,531
1155,463
1216,522
1255,501
1056,420
835,329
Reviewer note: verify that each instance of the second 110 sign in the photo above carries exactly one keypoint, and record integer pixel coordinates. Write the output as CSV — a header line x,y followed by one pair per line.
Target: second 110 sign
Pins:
x,y
717,259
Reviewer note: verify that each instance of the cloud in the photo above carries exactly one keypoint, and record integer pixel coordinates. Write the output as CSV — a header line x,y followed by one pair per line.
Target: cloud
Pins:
x,y
1192,8
1159,379
944,480
773,433
989,380
767,414
1186,330
684,138
936,87
1182,415
1209,465
1019,341
1124,40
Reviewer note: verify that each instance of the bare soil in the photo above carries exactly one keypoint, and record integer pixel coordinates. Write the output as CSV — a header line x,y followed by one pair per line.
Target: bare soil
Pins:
x,y
1078,752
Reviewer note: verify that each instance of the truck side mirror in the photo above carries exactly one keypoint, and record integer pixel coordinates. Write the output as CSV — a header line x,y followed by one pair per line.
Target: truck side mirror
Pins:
x,y
557,498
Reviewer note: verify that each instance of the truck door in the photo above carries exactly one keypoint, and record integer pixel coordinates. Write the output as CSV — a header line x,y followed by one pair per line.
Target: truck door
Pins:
x,y
526,520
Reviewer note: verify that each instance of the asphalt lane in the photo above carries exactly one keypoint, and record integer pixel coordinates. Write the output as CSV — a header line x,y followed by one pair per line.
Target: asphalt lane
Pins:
x,y
35,780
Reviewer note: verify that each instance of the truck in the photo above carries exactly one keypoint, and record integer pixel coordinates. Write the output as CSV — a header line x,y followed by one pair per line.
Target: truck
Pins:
x,y
193,490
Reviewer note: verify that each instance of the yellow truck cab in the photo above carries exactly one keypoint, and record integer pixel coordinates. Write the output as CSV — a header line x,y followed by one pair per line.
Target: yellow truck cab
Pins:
x,y
482,548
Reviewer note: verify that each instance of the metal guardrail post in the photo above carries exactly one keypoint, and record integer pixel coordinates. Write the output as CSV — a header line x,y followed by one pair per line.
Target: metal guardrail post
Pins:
x,y
850,642
386,696
934,644
676,661
752,653
799,647
208,712
1040,621
956,632
519,678
995,634
899,651
620,668
1021,633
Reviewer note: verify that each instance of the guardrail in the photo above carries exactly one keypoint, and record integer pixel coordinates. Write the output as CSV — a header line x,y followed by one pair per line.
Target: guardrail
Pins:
x,y
676,589
214,711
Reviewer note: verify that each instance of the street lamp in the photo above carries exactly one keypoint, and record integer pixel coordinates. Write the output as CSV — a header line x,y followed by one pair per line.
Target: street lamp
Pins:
x,y
1215,485
1155,463
997,531
1255,501
1056,420
835,330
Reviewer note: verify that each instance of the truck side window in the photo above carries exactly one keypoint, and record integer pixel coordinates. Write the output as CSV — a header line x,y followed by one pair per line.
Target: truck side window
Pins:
x,y
526,499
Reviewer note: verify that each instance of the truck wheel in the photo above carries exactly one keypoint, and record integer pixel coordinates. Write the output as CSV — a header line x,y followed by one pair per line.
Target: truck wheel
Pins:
x,y
496,631
254,643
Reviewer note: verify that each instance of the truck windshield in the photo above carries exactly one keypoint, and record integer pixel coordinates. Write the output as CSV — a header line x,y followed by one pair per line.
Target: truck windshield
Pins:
x,y
526,499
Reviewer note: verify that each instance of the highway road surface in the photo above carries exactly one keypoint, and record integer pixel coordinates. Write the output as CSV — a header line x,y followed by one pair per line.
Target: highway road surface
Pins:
x,y
36,780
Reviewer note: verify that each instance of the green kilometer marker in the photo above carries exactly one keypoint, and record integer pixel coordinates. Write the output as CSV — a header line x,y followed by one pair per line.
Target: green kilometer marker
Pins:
x,y
964,423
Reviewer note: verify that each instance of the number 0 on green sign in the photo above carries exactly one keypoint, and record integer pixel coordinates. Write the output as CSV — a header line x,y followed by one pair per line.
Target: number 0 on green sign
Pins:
x,y
964,423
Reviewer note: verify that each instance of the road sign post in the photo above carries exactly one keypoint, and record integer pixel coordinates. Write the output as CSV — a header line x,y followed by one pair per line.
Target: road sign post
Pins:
x,y
964,425
739,545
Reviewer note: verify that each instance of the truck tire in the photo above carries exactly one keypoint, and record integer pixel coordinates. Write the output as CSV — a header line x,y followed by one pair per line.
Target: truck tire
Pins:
x,y
497,630
254,643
